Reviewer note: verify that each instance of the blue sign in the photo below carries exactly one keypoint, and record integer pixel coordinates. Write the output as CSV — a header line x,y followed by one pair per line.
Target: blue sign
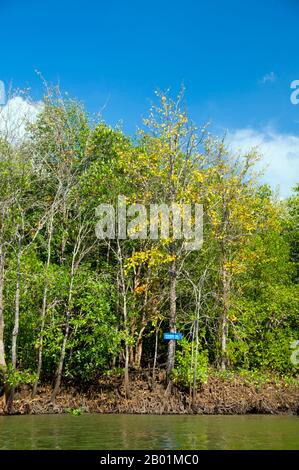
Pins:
x,y
175,336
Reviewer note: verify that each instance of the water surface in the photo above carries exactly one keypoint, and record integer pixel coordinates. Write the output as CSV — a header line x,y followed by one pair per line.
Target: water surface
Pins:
x,y
104,432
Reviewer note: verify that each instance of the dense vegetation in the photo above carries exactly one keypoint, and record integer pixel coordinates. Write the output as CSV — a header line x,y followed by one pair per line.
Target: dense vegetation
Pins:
x,y
74,307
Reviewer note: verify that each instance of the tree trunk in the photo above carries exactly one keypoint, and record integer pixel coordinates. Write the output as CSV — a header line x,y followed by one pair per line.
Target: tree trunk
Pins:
x,y
61,360
224,317
172,274
194,391
67,328
125,314
138,349
15,332
156,351
44,310
3,368
172,320
143,323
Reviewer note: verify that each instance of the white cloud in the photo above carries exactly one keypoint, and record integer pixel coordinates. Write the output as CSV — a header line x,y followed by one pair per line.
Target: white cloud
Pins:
x,y
14,117
269,77
280,155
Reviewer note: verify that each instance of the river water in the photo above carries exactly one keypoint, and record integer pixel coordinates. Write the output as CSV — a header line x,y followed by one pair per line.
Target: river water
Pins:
x,y
104,432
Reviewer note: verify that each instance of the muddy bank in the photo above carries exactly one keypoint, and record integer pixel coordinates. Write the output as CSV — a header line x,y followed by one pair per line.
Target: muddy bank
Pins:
x,y
218,396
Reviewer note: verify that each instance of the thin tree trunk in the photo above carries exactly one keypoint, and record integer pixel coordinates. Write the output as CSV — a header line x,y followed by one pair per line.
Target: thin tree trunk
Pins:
x,y
44,309
2,353
195,359
224,317
15,332
191,365
139,344
173,278
61,360
132,355
125,314
67,328
138,349
64,343
64,234
172,320
3,368
156,352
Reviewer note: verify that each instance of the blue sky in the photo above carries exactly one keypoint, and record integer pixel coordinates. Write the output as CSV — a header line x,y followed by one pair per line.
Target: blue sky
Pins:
x,y
236,59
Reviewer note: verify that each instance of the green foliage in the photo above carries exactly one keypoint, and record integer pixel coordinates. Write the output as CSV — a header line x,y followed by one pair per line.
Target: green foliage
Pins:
x,y
115,372
184,372
263,329
90,302
15,377
74,411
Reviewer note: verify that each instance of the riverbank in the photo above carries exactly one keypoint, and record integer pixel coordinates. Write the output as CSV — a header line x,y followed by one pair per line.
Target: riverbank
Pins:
x,y
230,394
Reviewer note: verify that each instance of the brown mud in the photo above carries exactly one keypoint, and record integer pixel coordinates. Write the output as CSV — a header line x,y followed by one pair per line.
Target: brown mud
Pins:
x,y
219,396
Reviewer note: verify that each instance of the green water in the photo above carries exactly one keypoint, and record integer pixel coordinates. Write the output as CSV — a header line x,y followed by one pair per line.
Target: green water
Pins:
x,y
149,432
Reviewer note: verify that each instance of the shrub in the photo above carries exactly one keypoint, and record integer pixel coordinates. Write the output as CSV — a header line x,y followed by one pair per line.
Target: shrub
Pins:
x,y
183,374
